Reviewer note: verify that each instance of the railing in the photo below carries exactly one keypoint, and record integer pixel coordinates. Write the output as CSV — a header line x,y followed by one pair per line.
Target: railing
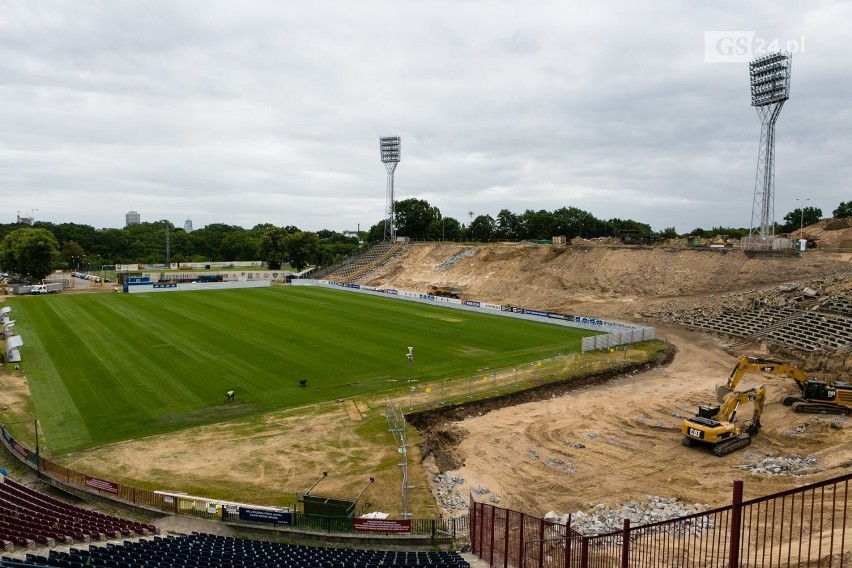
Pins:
x,y
808,526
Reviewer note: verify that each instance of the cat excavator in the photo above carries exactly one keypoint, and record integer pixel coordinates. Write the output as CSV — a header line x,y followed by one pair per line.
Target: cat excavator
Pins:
x,y
817,396
718,427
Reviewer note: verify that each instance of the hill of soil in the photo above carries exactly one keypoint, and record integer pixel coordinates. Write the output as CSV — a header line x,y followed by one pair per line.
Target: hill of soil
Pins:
x,y
619,282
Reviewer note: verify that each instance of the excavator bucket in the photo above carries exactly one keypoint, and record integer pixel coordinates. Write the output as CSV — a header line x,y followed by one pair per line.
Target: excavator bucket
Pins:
x,y
722,391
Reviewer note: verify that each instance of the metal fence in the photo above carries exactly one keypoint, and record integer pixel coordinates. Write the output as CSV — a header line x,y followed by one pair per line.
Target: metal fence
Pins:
x,y
808,526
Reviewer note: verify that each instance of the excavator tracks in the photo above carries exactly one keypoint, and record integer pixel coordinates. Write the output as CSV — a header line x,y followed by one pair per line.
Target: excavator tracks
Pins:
x,y
731,445
817,408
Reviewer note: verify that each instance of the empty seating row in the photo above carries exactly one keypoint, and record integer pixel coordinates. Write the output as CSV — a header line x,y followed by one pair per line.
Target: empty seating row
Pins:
x,y
209,551
839,305
28,516
362,265
805,330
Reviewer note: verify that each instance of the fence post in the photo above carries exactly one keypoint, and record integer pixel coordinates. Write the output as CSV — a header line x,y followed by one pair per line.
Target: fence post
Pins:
x,y
506,541
522,552
541,544
568,539
736,525
480,526
584,552
491,541
472,527
625,544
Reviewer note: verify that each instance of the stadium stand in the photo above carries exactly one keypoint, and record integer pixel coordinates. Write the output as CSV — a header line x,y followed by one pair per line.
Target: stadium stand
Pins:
x,y
208,551
360,266
28,517
826,327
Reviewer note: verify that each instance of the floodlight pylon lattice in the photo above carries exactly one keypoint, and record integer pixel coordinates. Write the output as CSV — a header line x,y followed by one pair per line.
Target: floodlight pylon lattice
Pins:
x,y
390,146
770,88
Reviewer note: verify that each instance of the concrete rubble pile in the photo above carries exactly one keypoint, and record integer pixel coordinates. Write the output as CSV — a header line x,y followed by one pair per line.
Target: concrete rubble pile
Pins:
x,y
447,492
782,465
453,260
448,496
603,520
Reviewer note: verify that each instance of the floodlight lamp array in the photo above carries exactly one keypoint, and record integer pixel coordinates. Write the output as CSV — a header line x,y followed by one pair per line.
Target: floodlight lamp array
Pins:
x,y
389,146
770,78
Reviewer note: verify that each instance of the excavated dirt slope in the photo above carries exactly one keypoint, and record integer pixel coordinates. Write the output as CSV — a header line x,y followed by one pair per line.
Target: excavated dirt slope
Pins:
x,y
620,440
602,280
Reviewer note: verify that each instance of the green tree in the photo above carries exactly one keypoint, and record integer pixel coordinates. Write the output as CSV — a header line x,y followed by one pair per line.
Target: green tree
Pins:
x,y
483,228
508,225
376,234
72,254
414,217
843,210
451,229
573,222
619,225
207,241
29,252
302,249
273,247
240,245
798,218
538,224
668,233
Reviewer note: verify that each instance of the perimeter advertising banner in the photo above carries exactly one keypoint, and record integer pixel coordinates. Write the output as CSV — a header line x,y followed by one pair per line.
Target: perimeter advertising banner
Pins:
x,y
265,516
382,525
101,484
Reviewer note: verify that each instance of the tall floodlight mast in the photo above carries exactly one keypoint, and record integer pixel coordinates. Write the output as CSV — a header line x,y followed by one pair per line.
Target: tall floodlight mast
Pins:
x,y
389,146
770,87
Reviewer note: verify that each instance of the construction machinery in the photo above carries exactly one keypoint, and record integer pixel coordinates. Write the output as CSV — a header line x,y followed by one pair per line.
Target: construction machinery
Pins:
x,y
718,426
444,291
817,396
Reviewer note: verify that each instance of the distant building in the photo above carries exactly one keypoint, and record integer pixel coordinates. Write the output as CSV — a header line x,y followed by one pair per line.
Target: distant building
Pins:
x,y
187,225
25,220
132,218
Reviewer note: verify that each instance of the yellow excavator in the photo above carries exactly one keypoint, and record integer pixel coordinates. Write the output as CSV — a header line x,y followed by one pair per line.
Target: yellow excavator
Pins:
x,y
817,396
444,291
718,427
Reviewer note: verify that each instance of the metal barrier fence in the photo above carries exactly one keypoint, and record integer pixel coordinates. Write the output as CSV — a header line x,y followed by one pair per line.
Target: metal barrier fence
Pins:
x,y
808,526
616,338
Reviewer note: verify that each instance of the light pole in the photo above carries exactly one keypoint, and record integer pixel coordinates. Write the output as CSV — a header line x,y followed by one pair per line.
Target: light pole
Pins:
x,y
410,357
802,218
770,88
389,148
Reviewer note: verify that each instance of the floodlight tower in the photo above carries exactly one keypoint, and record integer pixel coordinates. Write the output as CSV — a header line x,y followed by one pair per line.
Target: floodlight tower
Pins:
x,y
389,146
770,87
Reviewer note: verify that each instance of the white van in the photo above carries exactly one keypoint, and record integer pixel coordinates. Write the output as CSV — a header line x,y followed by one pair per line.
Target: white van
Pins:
x,y
51,288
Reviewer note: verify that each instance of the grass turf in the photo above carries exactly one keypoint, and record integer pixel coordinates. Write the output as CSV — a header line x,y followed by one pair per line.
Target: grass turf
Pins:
x,y
109,367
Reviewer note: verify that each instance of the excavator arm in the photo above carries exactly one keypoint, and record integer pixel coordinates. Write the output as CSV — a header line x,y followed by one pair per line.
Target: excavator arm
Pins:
x,y
721,429
757,364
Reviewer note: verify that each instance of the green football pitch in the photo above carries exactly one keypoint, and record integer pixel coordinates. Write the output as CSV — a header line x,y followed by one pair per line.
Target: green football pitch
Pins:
x,y
109,367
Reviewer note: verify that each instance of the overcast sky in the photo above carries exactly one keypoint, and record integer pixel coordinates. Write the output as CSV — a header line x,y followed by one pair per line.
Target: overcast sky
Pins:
x,y
247,112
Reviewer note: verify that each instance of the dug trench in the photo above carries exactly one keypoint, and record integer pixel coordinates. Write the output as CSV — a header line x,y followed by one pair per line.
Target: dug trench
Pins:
x,y
441,435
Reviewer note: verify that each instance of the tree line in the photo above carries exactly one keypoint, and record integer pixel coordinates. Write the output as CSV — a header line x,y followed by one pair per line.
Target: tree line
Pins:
x,y
34,251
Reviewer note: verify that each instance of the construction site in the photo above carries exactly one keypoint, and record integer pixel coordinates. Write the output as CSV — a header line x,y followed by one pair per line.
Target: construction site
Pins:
x,y
599,446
